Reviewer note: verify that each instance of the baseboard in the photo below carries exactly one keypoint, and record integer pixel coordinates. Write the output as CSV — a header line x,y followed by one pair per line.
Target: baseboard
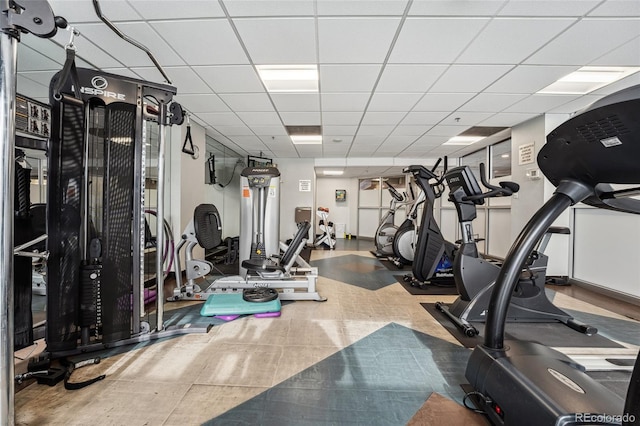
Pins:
x,y
606,292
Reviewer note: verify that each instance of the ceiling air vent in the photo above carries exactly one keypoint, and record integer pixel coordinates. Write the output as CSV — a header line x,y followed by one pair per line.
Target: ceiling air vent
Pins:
x,y
303,130
483,131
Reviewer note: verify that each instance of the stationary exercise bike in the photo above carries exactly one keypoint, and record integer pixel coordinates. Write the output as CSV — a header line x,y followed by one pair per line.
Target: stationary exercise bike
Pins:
x,y
386,232
475,276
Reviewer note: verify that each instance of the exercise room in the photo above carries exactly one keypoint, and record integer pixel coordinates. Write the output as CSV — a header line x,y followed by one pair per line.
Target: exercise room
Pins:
x,y
320,212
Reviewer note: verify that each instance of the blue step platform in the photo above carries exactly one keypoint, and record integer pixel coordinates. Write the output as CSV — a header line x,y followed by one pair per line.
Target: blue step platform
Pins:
x,y
231,305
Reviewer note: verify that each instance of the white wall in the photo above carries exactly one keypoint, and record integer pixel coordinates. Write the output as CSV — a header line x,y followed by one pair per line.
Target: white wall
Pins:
x,y
533,193
339,212
292,170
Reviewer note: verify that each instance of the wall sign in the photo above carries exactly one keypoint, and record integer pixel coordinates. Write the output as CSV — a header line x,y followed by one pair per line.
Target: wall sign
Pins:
x,y
341,195
527,154
304,185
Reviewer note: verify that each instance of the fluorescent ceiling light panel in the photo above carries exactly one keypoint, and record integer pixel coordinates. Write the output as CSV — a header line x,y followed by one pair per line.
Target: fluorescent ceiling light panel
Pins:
x,y
463,140
289,78
306,139
333,172
588,79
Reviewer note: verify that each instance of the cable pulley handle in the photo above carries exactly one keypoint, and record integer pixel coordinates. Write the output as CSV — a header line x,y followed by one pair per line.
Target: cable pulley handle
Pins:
x,y
68,71
187,140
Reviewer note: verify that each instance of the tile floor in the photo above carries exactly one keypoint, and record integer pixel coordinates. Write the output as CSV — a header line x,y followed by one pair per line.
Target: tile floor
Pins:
x,y
370,355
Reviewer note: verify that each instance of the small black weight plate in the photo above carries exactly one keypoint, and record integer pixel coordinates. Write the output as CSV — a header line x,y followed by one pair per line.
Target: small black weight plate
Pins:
x,y
259,294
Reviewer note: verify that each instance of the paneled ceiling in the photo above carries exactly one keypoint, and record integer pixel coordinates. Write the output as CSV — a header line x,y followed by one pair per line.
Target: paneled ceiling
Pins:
x,y
398,78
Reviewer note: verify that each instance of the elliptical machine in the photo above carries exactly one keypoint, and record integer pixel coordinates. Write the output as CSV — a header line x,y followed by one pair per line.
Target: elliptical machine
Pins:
x,y
386,232
475,276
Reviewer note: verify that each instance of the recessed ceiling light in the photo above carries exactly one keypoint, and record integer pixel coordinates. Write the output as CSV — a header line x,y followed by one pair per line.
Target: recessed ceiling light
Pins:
x,y
289,78
333,172
504,156
587,79
463,140
306,139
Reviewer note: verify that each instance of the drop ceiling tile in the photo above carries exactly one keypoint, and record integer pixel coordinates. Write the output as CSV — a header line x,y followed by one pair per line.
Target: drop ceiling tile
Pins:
x,y
127,72
347,102
385,102
104,38
626,55
339,130
338,139
202,103
466,118
424,118
429,141
279,40
382,131
296,102
231,79
85,48
165,9
491,102
409,78
382,118
230,131
183,78
221,119
456,8
569,47
540,103
469,78
334,148
576,105
249,141
254,118
528,79
632,80
620,8
444,39
269,8
355,40
361,7
30,88
437,102
270,131
309,151
547,8
442,130
248,101
30,60
277,141
300,118
216,43
370,140
511,40
341,118
397,142
405,130
508,119
80,11
348,78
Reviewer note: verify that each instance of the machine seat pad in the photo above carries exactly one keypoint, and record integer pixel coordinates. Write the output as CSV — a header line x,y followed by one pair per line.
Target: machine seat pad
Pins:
x,y
267,265
208,226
